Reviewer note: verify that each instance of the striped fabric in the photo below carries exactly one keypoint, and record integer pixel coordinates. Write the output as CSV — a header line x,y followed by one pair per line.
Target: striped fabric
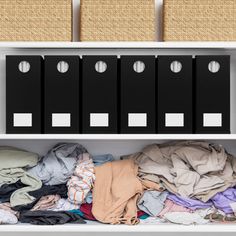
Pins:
x,y
82,180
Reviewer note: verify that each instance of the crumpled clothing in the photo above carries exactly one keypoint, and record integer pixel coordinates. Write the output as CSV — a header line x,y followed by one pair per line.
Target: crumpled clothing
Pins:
x,y
97,161
170,206
152,202
226,201
102,159
13,165
60,189
116,191
57,166
6,190
82,180
85,211
7,217
7,207
64,205
219,217
152,221
50,218
188,168
46,203
186,218
190,203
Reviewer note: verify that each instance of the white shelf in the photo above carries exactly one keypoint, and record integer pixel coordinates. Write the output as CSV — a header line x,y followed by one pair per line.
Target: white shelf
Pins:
x,y
117,136
120,45
162,228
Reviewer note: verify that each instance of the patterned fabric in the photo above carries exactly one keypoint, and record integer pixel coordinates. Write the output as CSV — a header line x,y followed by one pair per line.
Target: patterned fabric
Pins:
x,y
81,182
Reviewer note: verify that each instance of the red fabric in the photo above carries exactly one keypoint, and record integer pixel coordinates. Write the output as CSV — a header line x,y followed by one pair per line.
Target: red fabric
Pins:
x,y
87,211
86,208
140,213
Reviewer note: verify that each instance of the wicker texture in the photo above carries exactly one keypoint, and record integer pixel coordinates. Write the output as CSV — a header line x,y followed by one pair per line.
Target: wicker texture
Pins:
x,y
35,20
117,20
199,20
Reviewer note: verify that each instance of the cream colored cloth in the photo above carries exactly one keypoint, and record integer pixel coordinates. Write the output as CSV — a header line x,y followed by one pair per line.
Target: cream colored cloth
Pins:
x,y
13,167
116,191
189,168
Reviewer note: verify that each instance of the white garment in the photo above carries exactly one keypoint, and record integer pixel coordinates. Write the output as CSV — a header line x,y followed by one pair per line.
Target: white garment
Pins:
x,y
7,217
82,180
64,205
152,221
187,218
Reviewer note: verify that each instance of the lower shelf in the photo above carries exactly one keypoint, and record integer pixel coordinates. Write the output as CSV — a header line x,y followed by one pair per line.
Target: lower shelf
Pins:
x,y
118,136
98,227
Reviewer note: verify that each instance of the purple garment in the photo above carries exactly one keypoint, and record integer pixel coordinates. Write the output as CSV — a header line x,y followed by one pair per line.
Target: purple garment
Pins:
x,y
223,200
189,203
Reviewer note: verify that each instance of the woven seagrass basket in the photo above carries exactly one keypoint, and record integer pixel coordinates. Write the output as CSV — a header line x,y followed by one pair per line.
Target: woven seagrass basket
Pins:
x,y
199,20
117,20
35,20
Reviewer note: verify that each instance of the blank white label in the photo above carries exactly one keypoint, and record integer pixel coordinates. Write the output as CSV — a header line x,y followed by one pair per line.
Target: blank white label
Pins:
x,y
212,119
61,120
174,119
137,119
99,119
22,119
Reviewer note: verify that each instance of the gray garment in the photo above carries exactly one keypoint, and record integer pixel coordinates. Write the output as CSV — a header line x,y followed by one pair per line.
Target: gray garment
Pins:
x,y
58,165
152,202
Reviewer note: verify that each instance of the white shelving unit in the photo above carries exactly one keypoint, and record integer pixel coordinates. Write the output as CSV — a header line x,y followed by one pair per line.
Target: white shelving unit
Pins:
x,y
151,137
118,45
101,228
116,144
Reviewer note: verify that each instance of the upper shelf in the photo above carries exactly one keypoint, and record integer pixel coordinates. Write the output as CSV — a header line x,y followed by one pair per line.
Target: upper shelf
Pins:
x,y
121,45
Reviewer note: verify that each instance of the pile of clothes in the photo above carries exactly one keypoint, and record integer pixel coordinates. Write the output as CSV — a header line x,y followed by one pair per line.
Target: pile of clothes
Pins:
x,y
187,182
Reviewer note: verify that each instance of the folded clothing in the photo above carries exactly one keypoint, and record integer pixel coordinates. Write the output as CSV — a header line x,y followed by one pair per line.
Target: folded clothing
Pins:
x,y
14,163
50,217
190,203
57,166
152,202
7,218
